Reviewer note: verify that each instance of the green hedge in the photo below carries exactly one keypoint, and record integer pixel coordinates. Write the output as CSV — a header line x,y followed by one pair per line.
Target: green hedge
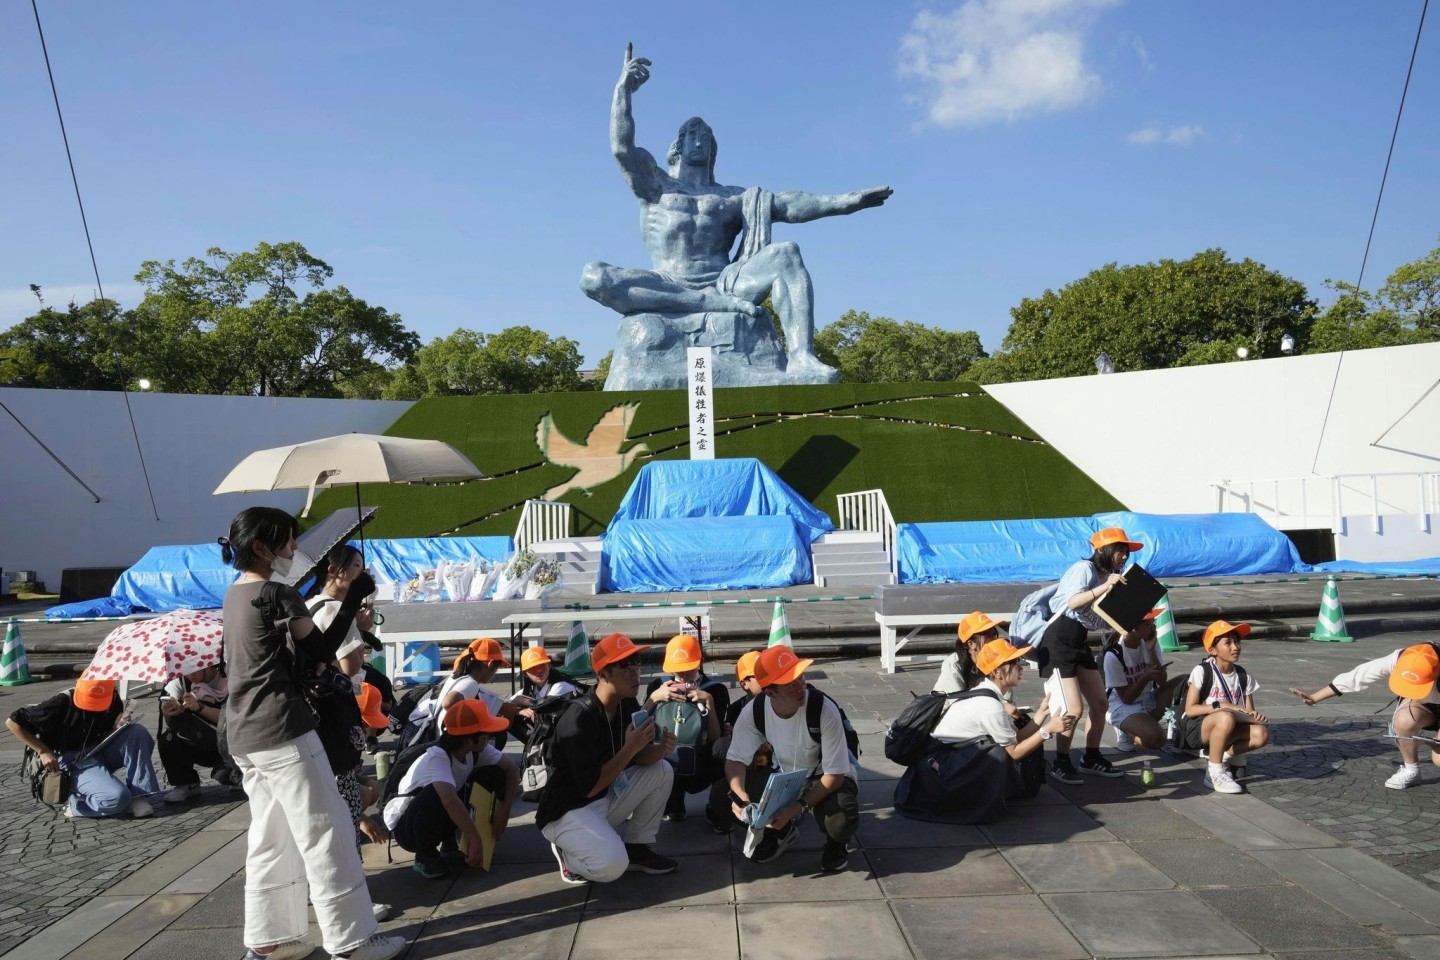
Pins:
x,y
940,451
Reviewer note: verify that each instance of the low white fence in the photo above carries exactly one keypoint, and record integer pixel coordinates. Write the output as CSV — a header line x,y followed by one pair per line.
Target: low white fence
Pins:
x,y
1296,503
542,520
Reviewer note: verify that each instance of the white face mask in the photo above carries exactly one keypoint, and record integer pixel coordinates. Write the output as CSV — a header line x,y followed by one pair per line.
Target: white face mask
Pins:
x,y
281,566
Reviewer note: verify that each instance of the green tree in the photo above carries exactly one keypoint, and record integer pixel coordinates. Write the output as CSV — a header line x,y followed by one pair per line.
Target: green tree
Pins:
x,y
868,349
468,363
234,323
1166,314
1406,310
602,371
82,347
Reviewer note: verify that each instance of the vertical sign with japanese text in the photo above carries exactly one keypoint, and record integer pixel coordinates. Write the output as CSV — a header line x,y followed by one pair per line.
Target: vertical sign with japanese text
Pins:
x,y
700,364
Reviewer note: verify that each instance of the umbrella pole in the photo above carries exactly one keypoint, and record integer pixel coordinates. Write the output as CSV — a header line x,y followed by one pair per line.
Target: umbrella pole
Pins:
x,y
360,521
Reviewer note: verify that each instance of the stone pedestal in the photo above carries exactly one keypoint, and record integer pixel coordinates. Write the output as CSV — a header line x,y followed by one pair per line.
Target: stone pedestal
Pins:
x,y
650,351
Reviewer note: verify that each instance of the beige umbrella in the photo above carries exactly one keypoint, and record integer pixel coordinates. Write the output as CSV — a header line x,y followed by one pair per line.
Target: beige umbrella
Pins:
x,y
351,458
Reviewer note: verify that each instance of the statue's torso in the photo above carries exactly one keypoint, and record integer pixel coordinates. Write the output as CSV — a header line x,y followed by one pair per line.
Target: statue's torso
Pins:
x,y
690,229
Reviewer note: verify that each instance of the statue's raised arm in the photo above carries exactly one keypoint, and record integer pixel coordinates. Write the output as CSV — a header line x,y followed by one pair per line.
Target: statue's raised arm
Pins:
x,y
639,167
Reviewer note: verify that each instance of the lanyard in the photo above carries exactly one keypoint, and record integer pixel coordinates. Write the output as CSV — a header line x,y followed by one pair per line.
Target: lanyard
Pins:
x,y
1235,696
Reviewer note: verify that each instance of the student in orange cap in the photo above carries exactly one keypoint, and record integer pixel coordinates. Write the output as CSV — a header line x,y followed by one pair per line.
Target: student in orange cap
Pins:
x,y
693,705
65,730
958,671
1066,650
602,805
1138,687
1221,697
474,668
784,738
1411,672
428,810
537,683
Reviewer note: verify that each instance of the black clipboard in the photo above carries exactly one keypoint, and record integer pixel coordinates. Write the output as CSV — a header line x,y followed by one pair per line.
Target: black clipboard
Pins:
x,y
1125,606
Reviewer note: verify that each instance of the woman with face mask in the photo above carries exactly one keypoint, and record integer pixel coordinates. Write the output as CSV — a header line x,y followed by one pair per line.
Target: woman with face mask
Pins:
x,y
301,843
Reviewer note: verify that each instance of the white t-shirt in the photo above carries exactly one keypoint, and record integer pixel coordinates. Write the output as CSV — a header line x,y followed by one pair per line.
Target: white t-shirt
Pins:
x,y
1223,688
790,737
469,689
433,766
980,716
1121,672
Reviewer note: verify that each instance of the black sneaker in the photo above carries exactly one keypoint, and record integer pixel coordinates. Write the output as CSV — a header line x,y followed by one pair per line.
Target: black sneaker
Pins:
x,y
1063,771
775,842
1096,765
675,808
835,857
645,860
722,827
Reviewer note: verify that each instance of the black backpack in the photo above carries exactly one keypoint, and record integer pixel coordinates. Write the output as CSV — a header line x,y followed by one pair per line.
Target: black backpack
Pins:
x,y
906,739
1187,729
537,762
400,766
813,706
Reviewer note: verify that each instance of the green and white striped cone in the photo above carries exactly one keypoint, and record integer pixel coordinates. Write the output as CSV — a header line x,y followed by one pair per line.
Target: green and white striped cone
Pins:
x,y
1165,628
779,626
14,666
577,653
1330,627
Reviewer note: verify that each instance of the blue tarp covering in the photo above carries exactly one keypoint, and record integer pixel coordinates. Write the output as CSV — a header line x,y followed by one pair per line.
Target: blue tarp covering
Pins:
x,y
744,487
1195,545
401,559
1399,568
168,578
706,553
100,607
710,525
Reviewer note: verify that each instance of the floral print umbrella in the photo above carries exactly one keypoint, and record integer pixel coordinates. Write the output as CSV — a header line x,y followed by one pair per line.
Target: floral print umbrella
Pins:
x,y
162,648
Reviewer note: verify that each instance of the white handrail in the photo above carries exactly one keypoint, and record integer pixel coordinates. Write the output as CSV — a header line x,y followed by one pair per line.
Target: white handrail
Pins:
x,y
542,520
868,511
1406,493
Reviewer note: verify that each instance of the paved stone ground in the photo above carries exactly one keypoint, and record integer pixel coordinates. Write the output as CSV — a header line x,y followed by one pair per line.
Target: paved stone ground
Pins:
x,y
1301,867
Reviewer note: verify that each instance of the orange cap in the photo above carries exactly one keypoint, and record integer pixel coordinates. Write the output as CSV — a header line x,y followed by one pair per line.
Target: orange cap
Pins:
x,y
93,696
1153,613
745,666
533,657
779,664
466,717
681,653
978,622
1109,535
1219,628
488,650
613,649
1415,672
368,700
996,654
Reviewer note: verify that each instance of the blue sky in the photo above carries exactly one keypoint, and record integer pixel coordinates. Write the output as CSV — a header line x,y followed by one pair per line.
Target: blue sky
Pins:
x,y
451,160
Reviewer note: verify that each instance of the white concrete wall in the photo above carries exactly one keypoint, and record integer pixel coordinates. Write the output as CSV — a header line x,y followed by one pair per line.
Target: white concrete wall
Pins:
x,y
1159,439
49,522
1396,537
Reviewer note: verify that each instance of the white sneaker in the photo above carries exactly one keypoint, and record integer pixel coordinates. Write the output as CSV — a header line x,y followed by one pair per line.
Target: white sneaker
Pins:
x,y
140,807
378,947
296,949
566,874
382,911
182,793
1123,742
1404,777
1221,782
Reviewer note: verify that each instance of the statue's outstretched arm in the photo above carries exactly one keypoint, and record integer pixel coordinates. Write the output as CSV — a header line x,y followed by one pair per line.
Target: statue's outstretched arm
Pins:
x,y
636,163
797,206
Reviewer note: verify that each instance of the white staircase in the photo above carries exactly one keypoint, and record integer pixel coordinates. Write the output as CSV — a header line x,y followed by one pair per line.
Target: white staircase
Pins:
x,y
851,558
579,559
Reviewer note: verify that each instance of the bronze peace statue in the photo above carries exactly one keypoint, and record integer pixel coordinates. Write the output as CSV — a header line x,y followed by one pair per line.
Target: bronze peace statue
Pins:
x,y
699,293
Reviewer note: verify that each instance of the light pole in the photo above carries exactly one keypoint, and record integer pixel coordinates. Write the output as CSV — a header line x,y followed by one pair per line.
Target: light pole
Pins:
x,y
1287,344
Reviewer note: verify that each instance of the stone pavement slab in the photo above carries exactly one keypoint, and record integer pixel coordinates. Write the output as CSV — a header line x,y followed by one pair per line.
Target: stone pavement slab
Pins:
x,y
1170,923
1206,863
986,928
1284,918
1349,896
703,930
804,931
1063,868
944,872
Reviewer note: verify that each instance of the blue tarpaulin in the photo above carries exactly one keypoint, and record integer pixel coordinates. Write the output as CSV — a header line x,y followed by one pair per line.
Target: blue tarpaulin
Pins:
x,y
1193,545
710,525
1429,567
169,578
99,607
706,553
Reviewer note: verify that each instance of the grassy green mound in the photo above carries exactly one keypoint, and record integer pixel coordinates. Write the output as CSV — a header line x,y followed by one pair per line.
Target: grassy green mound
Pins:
x,y
940,451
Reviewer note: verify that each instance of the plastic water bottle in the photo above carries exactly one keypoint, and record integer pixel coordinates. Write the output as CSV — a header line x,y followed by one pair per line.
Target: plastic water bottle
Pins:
x,y
382,765
1147,776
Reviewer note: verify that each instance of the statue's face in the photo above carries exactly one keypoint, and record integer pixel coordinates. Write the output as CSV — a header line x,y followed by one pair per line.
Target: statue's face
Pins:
x,y
698,147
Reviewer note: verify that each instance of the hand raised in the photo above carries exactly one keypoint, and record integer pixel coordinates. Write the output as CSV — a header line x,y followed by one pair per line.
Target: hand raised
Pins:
x,y
638,738
635,72
874,196
1305,698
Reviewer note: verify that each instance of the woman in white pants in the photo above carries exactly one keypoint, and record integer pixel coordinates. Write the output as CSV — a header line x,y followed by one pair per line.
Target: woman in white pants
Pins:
x,y
300,841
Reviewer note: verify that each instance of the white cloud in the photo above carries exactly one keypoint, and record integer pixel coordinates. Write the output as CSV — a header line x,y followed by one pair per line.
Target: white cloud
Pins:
x,y
994,60
1153,134
1137,44
18,303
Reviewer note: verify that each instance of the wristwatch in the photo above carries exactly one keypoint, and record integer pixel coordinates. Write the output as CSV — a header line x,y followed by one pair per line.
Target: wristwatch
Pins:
x,y
1045,734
